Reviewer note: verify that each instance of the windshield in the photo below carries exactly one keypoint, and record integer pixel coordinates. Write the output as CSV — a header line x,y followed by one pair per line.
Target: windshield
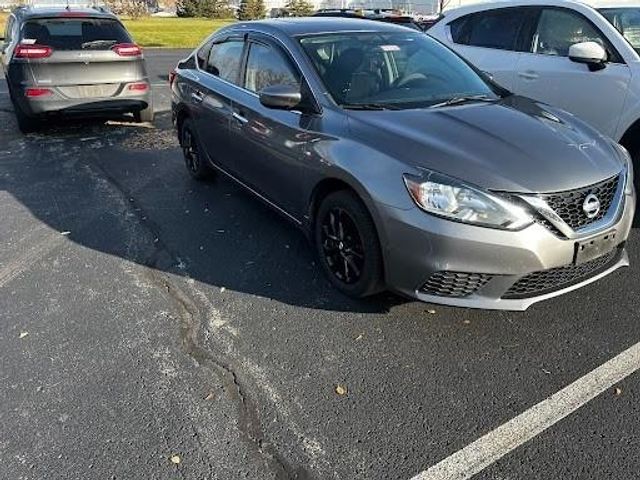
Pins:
x,y
393,70
627,21
75,33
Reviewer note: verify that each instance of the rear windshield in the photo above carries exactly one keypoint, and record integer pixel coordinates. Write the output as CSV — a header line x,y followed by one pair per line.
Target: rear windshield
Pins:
x,y
75,33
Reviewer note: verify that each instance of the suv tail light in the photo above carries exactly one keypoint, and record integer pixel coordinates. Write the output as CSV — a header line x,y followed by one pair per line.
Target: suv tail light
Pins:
x,y
139,86
127,49
37,92
32,51
172,77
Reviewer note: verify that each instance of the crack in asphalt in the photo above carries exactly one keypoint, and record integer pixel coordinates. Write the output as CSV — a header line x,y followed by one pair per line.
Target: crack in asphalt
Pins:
x,y
161,258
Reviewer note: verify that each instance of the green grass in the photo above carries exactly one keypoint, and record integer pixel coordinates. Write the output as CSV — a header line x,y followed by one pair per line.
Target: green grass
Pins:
x,y
172,32
164,32
3,20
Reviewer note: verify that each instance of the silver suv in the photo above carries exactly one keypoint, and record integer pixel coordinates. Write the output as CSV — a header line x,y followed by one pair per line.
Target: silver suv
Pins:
x,y
72,62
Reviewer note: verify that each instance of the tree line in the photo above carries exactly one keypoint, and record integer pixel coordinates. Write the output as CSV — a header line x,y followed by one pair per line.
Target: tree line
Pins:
x,y
248,9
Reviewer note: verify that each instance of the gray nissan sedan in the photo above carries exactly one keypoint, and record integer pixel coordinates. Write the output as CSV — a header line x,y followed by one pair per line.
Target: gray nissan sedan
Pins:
x,y
407,168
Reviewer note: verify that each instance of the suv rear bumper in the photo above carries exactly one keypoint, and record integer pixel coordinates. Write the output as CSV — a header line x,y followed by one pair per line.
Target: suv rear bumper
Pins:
x,y
57,103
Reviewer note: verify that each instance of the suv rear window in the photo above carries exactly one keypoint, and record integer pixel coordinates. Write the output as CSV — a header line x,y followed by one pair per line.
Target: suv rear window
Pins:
x,y
75,33
497,29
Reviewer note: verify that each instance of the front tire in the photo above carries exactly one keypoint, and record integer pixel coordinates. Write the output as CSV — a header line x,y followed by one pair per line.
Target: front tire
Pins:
x,y
635,156
347,245
194,156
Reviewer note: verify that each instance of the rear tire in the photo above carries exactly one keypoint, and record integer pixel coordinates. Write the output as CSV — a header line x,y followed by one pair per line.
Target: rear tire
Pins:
x,y
145,116
347,245
193,153
26,124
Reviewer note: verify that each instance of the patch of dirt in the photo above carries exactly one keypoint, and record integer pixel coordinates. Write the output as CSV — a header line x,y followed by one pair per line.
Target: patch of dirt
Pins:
x,y
157,139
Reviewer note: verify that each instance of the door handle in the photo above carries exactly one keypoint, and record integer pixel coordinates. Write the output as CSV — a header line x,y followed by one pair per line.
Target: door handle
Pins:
x,y
197,97
529,75
239,118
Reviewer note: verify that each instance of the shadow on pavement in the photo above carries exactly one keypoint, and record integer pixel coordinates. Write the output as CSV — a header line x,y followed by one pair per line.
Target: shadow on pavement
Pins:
x,y
121,188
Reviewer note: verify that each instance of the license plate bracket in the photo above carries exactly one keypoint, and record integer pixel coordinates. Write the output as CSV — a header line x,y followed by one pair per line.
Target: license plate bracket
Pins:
x,y
595,247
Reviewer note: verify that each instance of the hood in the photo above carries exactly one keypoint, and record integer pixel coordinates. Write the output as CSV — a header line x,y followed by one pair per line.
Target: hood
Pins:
x,y
514,145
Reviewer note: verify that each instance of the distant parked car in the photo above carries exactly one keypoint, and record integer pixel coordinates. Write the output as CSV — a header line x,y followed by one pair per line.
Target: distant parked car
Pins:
x,y
408,169
72,62
380,15
560,52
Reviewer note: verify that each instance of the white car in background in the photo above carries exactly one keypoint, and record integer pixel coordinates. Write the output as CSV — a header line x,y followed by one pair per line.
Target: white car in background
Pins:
x,y
564,53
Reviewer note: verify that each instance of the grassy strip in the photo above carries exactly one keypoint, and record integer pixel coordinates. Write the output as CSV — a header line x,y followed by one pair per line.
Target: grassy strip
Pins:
x,y
164,32
172,32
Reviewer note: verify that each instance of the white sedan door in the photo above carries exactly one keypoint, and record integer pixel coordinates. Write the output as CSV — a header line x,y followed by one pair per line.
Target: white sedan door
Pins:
x,y
548,75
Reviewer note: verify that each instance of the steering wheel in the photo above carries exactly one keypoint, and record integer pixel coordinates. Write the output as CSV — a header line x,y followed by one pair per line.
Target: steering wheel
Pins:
x,y
416,79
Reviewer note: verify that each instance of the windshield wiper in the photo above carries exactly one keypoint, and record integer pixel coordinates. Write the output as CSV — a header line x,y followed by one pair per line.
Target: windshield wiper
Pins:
x,y
368,106
463,99
99,43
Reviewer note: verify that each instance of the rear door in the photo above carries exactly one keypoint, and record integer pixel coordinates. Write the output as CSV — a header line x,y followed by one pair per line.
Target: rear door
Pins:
x,y
88,57
548,75
493,40
217,83
269,143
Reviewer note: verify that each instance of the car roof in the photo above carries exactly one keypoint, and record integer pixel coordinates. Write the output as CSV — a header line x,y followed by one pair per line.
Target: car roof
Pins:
x,y
598,4
490,5
314,25
29,12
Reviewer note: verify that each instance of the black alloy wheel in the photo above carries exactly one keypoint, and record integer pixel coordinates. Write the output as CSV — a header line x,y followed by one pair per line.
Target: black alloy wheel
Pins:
x,y
347,244
194,160
342,246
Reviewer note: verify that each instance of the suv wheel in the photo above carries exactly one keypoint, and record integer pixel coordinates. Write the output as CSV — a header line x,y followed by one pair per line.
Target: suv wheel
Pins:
x,y
26,124
347,244
146,115
192,151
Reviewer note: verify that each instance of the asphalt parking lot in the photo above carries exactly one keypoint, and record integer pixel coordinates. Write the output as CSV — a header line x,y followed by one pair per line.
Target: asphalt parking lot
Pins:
x,y
155,327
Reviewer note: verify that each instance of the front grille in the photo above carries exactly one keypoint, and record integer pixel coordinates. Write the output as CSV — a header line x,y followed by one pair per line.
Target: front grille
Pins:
x,y
455,284
568,204
550,226
545,281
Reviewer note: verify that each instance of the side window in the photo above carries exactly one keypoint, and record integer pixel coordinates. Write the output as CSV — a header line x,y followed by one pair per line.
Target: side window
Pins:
x,y
497,29
559,29
267,66
225,59
203,55
9,30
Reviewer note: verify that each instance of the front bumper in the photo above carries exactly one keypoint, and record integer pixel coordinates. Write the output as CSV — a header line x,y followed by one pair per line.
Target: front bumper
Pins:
x,y
487,262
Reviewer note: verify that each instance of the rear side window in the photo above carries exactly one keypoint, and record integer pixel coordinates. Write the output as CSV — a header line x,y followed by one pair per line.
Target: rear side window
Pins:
x,y
497,29
75,33
203,55
224,60
266,67
9,30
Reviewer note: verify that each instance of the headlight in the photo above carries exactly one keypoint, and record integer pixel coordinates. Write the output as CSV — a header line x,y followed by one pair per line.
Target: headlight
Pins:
x,y
449,198
628,189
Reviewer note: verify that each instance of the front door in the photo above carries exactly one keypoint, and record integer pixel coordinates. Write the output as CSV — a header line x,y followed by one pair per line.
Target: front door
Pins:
x,y
269,143
548,75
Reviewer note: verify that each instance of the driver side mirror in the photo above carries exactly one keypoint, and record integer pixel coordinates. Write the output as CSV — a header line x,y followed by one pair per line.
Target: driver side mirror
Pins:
x,y
283,97
589,53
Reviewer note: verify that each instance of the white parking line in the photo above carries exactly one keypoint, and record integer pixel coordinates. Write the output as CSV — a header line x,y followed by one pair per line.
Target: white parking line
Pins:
x,y
488,449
